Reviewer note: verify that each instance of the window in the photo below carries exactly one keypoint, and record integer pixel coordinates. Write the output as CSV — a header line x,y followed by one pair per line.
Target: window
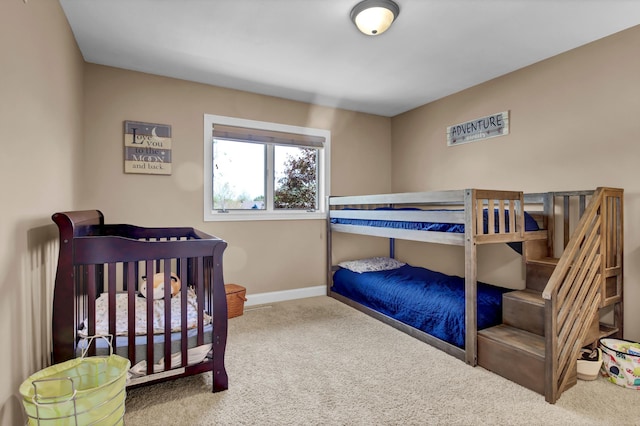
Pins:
x,y
260,171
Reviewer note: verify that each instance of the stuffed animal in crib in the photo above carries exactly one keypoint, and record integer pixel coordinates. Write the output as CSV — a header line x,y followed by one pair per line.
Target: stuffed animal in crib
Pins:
x,y
158,285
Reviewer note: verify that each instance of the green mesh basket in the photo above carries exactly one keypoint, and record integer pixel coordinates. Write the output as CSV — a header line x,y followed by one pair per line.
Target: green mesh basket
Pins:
x,y
82,391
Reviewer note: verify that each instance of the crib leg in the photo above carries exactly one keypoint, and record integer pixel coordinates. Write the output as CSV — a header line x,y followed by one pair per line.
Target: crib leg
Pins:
x,y
220,378
219,372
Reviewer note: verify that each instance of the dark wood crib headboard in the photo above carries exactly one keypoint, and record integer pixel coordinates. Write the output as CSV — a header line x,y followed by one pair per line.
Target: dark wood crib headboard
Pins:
x,y
68,225
96,257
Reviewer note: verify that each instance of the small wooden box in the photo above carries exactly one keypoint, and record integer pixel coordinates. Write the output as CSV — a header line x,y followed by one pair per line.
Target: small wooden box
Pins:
x,y
235,299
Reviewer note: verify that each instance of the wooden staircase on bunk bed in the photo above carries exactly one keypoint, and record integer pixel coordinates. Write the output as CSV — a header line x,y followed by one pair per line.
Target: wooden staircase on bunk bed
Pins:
x,y
569,302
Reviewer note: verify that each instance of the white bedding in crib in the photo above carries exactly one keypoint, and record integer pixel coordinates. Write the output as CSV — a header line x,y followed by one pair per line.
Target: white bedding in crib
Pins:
x,y
194,356
102,314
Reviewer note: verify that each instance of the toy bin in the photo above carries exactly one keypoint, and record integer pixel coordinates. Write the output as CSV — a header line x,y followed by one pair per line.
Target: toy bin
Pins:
x,y
81,391
621,362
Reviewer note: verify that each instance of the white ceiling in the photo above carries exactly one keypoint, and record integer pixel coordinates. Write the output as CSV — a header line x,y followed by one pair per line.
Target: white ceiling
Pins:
x,y
310,51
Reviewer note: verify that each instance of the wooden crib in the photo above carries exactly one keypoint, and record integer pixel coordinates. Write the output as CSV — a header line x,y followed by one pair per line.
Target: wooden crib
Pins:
x,y
100,268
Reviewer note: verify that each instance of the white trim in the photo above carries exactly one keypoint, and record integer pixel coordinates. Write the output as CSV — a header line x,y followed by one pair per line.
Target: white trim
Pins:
x,y
249,215
281,296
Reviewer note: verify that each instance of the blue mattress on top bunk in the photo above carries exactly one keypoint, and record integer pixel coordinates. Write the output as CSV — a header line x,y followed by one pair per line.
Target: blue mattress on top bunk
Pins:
x,y
530,223
429,301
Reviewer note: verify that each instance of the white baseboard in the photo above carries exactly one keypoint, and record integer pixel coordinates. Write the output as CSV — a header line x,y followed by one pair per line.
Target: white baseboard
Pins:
x,y
281,296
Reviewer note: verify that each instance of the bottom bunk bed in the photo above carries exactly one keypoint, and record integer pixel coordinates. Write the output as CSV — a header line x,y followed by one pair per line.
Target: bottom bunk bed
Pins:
x,y
157,294
425,300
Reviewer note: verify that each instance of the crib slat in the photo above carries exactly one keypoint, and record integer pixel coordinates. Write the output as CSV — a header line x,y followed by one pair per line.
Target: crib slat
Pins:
x,y
182,270
130,270
200,297
149,302
167,314
111,286
80,274
91,295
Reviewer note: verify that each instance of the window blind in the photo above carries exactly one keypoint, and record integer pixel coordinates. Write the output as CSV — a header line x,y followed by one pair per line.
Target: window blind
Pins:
x,y
244,134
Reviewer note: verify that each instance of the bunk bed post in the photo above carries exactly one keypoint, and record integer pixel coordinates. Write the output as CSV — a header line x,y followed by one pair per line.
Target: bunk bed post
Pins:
x,y
612,264
549,212
470,278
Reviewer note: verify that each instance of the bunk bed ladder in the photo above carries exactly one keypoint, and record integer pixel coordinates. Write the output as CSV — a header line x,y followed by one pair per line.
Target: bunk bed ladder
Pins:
x,y
587,279
545,326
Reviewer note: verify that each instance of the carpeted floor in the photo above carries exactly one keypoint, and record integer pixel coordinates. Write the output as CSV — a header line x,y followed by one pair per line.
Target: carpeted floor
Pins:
x,y
317,361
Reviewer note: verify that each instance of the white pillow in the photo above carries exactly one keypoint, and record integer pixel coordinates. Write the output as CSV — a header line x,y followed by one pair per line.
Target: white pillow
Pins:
x,y
372,264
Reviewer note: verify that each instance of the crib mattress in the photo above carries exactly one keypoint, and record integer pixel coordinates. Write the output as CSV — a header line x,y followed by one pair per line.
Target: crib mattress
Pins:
x,y
121,344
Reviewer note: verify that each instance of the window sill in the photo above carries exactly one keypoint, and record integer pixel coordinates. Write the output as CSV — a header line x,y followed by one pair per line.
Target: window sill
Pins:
x,y
252,216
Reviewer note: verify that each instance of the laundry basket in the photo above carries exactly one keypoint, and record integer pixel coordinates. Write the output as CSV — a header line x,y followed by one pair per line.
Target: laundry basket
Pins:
x,y
82,391
621,362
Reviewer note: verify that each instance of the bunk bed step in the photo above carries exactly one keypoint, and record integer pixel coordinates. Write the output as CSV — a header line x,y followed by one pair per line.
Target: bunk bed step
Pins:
x,y
539,271
524,309
514,354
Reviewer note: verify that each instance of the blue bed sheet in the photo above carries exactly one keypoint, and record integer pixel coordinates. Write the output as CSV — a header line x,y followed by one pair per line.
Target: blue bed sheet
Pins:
x,y
427,300
530,223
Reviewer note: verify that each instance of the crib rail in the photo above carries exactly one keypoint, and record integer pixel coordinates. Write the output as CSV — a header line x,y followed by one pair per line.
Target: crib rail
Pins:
x,y
588,276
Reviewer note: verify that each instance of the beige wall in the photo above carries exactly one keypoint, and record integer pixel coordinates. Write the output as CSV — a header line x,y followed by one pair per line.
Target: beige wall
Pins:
x,y
41,73
264,256
62,121
574,124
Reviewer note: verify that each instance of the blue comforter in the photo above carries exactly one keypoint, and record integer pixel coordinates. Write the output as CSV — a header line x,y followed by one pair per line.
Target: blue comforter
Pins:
x,y
530,223
429,301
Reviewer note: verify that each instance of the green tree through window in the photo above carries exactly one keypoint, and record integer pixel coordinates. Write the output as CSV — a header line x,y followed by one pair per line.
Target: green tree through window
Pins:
x,y
297,189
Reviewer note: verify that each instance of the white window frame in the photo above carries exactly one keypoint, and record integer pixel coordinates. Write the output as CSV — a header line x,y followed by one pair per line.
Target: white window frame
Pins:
x,y
324,155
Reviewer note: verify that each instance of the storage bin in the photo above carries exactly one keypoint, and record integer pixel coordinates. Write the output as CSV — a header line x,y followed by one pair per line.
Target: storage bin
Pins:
x,y
235,299
589,363
621,362
81,391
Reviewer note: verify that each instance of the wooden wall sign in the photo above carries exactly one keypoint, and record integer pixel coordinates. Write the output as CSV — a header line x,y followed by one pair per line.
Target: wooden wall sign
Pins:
x,y
479,129
147,148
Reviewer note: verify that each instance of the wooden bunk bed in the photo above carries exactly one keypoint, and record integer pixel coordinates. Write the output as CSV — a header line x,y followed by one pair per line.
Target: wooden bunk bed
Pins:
x,y
571,285
97,291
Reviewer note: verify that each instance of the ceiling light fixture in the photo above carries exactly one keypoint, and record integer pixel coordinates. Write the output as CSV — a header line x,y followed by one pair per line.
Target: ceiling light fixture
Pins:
x,y
373,17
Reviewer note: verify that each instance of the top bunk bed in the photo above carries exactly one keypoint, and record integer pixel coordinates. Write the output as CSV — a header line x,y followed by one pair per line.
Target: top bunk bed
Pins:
x,y
458,217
